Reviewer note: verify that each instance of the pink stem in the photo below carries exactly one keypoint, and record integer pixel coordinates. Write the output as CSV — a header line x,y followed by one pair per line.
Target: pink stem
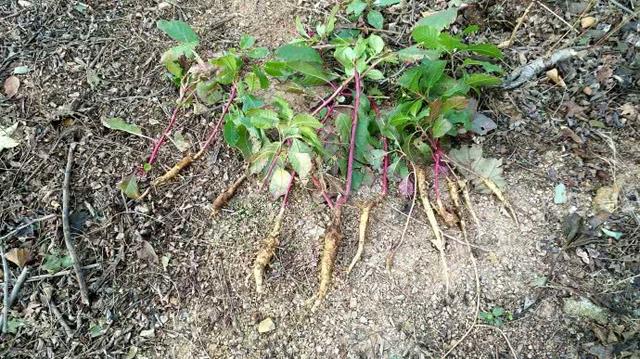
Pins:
x,y
322,192
385,167
352,142
158,143
437,158
272,166
216,129
330,98
285,200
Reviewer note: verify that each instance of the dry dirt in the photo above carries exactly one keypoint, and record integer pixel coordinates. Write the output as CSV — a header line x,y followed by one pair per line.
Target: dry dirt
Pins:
x,y
191,295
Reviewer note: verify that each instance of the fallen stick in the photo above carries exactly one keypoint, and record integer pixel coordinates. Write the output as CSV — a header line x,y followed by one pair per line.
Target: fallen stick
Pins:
x,y
15,291
7,279
509,41
532,69
28,224
66,228
46,298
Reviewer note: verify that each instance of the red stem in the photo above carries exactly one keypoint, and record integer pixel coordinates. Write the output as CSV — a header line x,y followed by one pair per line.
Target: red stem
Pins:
x,y
272,166
216,129
158,143
352,142
385,167
333,95
285,200
322,192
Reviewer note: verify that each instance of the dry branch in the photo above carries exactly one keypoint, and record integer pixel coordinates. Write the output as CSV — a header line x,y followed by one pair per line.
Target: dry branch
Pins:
x,y
7,278
532,69
66,228
15,291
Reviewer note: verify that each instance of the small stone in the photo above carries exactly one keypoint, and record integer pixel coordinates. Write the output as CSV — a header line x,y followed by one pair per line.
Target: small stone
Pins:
x,y
587,91
587,22
266,326
163,5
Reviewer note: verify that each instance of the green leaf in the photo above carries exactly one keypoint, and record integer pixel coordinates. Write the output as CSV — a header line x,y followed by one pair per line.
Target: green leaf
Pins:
x,y
96,330
376,44
356,7
283,108
331,20
264,119
310,70
375,74
497,311
489,50
258,53
229,67
178,30
14,324
613,234
343,125
21,70
298,52
560,194
311,137
426,35
300,27
252,81
304,119
440,20
54,262
471,29
279,182
415,53
384,3
129,186
476,81
375,19
300,159
276,68
486,66
441,127
247,41
374,158
250,102
117,123
264,81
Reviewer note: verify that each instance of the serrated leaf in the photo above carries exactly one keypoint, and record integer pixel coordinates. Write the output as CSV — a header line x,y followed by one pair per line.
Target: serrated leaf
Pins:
x,y
374,158
297,52
441,127
279,182
376,43
489,50
117,123
300,159
426,35
247,41
356,7
258,53
250,102
11,86
262,118
304,119
375,19
129,186
178,30
440,20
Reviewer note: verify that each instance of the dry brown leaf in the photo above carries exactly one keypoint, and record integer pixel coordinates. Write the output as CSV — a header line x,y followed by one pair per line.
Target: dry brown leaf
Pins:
x,y
19,256
554,75
606,198
629,111
11,85
603,73
587,21
146,252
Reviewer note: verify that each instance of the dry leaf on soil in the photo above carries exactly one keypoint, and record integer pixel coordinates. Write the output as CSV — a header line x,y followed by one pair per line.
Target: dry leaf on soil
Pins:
x,y
628,111
606,198
11,86
5,137
19,256
146,252
587,22
554,75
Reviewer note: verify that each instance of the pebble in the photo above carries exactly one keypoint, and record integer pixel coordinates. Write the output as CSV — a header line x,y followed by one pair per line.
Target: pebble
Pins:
x,y
266,325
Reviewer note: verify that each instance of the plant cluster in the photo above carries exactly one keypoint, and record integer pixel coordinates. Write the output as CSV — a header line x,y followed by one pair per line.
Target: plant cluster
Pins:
x,y
388,113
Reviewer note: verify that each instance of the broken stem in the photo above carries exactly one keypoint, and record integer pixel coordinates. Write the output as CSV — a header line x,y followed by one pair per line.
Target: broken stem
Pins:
x,y
216,129
167,130
352,142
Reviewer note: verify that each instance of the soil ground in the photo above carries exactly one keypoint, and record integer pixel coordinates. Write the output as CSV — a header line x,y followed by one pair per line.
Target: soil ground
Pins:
x,y
170,282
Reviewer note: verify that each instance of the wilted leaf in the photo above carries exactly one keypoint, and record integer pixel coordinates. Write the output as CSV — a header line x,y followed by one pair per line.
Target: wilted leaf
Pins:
x,y
560,194
116,123
300,159
133,351
406,186
279,182
606,198
475,167
554,76
147,253
148,333
14,324
5,137
96,330
179,141
584,308
11,86
19,256
129,186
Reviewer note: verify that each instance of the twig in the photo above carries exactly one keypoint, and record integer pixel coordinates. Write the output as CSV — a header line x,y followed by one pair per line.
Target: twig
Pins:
x,y
528,71
46,298
558,16
28,224
614,2
509,41
15,291
36,278
7,279
66,228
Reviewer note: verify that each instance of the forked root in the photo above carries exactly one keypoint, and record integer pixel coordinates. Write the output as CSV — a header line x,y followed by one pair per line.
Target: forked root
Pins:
x,y
224,197
449,218
438,242
362,233
267,252
173,172
332,239
496,191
